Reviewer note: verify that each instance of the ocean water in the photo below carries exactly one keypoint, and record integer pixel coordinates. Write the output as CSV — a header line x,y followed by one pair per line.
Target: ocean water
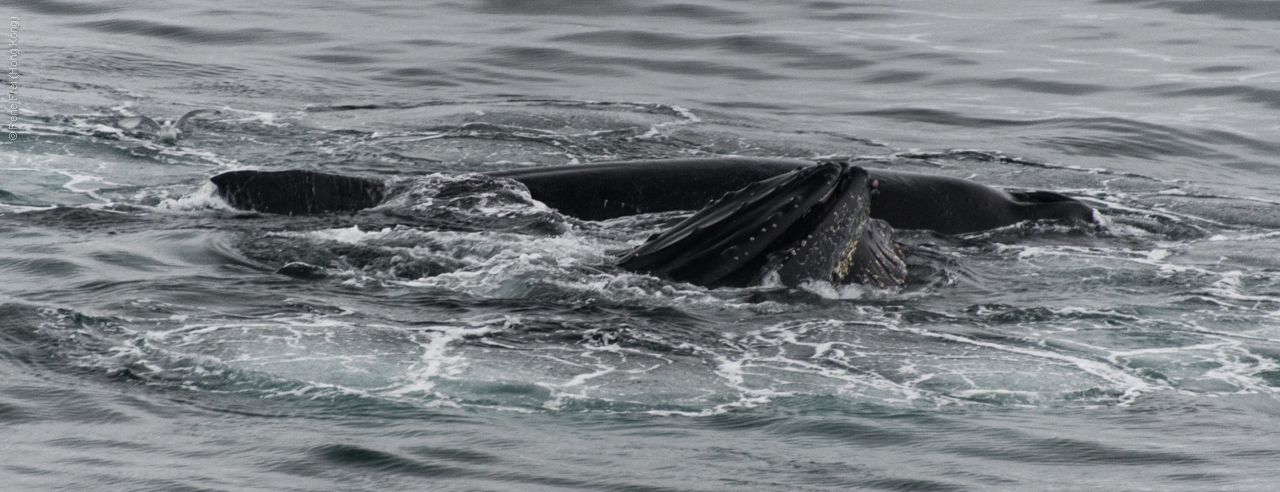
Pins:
x,y
465,337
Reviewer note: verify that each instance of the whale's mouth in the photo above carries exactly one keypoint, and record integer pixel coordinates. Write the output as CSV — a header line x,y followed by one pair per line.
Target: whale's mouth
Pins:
x,y
812,224
297,192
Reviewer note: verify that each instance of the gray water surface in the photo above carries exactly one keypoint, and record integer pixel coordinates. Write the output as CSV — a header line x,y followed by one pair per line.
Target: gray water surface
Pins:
x,y
466,337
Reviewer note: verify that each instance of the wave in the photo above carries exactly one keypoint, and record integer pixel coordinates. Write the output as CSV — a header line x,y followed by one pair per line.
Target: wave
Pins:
x,y
197,35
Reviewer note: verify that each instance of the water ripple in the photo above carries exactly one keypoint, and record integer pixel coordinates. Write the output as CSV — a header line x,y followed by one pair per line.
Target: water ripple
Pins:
x,y
54,7
606,8
1031,85
1250,94
1072,451
795,55
1249,10
198,35
564,61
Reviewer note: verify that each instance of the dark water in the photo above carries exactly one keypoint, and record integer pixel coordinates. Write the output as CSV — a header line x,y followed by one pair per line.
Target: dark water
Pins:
x,y
463,337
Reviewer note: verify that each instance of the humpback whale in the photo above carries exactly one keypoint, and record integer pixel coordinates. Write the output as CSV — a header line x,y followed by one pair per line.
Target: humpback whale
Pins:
x,y
757,220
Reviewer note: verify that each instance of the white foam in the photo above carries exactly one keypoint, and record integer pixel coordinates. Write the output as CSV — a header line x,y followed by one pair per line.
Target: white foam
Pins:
x,y
1244,237
206,198
663,129
260,117
1228,286
1132,386
437,360
76,184
827,290
347,235
501,198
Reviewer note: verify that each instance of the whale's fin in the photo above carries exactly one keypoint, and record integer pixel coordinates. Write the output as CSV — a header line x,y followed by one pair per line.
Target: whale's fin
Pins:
x,y
803,225
877,260
726,242
297,192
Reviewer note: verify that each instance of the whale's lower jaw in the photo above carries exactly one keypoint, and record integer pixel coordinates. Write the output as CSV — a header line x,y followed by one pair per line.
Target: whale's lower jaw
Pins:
x,y
297,192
